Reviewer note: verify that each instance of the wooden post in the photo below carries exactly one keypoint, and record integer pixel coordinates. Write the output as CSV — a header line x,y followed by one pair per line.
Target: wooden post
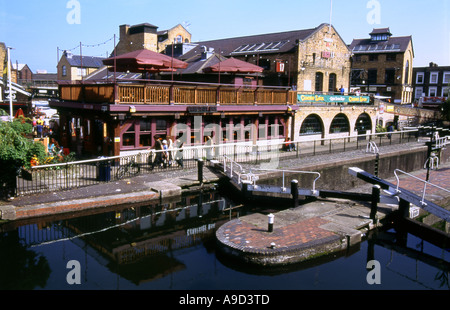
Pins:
x,y
375,199
200,171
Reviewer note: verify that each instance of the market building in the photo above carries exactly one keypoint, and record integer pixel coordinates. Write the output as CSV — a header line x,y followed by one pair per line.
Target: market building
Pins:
x,y
311,60
382,65
277,74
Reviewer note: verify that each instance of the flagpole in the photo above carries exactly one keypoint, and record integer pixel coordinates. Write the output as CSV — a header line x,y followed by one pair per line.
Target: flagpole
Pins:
x,y
331,13
10,87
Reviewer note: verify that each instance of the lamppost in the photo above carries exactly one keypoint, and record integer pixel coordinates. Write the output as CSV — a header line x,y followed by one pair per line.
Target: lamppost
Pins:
x,y
10,86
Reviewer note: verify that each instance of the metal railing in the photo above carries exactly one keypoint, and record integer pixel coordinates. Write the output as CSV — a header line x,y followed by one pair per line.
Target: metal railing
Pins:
x,y
425,183
65,176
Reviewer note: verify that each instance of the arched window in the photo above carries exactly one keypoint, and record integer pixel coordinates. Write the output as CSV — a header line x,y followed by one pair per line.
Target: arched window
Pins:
x,y
407,72
319,81
312,125
332,82
340,123
64,71
363,123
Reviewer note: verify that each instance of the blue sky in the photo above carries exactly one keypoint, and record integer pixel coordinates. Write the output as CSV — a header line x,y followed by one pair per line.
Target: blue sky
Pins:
x,y
37,28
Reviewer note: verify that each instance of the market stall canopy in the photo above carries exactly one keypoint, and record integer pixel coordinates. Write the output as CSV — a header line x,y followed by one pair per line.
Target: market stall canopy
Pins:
x,y
233,65
144,60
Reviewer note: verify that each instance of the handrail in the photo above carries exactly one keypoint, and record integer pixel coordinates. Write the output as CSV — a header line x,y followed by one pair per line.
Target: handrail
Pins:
x,y
372,148
292,171
424,181
200,147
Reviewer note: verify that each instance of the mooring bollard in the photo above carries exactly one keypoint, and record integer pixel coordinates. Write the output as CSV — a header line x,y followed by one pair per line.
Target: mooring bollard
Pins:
x,y
200,171
271,220
294,192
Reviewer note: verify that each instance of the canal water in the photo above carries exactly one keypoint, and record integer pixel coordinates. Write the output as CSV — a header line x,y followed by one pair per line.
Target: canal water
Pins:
x,y
171,246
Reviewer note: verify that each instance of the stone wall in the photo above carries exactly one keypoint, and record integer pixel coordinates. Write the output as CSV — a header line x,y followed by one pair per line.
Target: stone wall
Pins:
x,y
326,53
327,114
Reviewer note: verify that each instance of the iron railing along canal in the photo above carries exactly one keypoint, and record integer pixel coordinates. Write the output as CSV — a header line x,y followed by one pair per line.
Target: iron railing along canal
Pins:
x,y
65,176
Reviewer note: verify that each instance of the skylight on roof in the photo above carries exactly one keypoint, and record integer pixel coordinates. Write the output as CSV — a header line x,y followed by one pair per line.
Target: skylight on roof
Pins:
x,y
260,47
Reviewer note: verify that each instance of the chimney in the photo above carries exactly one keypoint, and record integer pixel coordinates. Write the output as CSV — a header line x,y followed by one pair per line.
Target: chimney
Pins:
x,y
206,52
123,31
68,54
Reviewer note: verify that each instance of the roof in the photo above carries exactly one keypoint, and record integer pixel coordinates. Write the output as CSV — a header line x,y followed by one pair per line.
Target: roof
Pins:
x,y
380,31
197,63
392,45
104,74
280,42
18,66
86,61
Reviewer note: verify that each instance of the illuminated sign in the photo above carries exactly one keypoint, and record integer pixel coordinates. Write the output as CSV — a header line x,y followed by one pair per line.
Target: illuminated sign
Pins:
x,y
315,98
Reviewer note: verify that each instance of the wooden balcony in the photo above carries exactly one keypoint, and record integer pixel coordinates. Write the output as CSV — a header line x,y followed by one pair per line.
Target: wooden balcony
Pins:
x,y
175,93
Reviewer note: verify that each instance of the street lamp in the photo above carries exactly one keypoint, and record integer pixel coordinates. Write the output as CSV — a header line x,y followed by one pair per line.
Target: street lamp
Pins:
x,y
10,87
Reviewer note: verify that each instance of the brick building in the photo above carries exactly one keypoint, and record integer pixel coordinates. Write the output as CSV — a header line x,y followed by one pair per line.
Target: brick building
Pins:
x,y
315,59
382,64
75,67
23,72
431,84
147,36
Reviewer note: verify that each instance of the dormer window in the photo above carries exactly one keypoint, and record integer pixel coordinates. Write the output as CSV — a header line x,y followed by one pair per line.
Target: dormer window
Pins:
x,y
382,34
380,37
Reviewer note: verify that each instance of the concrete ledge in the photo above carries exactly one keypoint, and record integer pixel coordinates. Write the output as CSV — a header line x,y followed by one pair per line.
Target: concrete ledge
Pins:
x,y
7,212
353,236
81,204
165,189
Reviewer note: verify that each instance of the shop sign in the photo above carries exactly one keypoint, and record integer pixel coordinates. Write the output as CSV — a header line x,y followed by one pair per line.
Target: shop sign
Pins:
x,y
280,67
332,98
202,109
327,54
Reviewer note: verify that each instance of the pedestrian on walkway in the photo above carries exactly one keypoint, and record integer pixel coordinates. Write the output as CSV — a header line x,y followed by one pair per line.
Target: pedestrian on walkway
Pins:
x,y
179,152
158,154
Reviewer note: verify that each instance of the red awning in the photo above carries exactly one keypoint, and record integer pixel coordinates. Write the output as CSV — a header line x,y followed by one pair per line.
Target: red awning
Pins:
x,y
233,65
144,60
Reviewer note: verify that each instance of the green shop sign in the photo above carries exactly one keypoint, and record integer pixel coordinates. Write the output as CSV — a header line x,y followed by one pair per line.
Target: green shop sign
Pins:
x,y
332,98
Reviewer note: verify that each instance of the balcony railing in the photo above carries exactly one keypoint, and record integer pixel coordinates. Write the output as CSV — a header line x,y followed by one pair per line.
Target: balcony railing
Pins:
x,y
162,92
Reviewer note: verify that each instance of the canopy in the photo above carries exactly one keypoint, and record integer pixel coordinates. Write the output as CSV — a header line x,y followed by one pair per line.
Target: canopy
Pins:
x,y
144,60
234,65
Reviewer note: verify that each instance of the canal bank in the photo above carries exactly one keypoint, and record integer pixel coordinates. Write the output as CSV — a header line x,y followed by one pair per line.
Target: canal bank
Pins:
x,y
317,228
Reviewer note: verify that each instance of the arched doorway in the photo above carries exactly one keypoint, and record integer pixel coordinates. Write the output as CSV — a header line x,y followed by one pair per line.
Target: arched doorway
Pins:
x,y
363,123
312,125
340,124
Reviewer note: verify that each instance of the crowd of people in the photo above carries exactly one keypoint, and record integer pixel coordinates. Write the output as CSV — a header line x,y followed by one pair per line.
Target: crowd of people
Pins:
x,y
166,153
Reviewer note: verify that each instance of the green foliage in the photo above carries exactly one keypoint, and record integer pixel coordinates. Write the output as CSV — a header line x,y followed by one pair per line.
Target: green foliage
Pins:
x,y
15,148
380,129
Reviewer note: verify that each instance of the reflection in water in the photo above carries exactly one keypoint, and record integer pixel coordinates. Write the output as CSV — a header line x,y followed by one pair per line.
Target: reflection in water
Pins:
x,y
171,245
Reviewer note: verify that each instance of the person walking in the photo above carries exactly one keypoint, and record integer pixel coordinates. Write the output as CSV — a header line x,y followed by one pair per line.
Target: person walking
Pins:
x,y
158,154
179,152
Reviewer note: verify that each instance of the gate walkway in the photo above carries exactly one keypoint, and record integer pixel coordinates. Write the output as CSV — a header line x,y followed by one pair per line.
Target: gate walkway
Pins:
x,y
319,227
